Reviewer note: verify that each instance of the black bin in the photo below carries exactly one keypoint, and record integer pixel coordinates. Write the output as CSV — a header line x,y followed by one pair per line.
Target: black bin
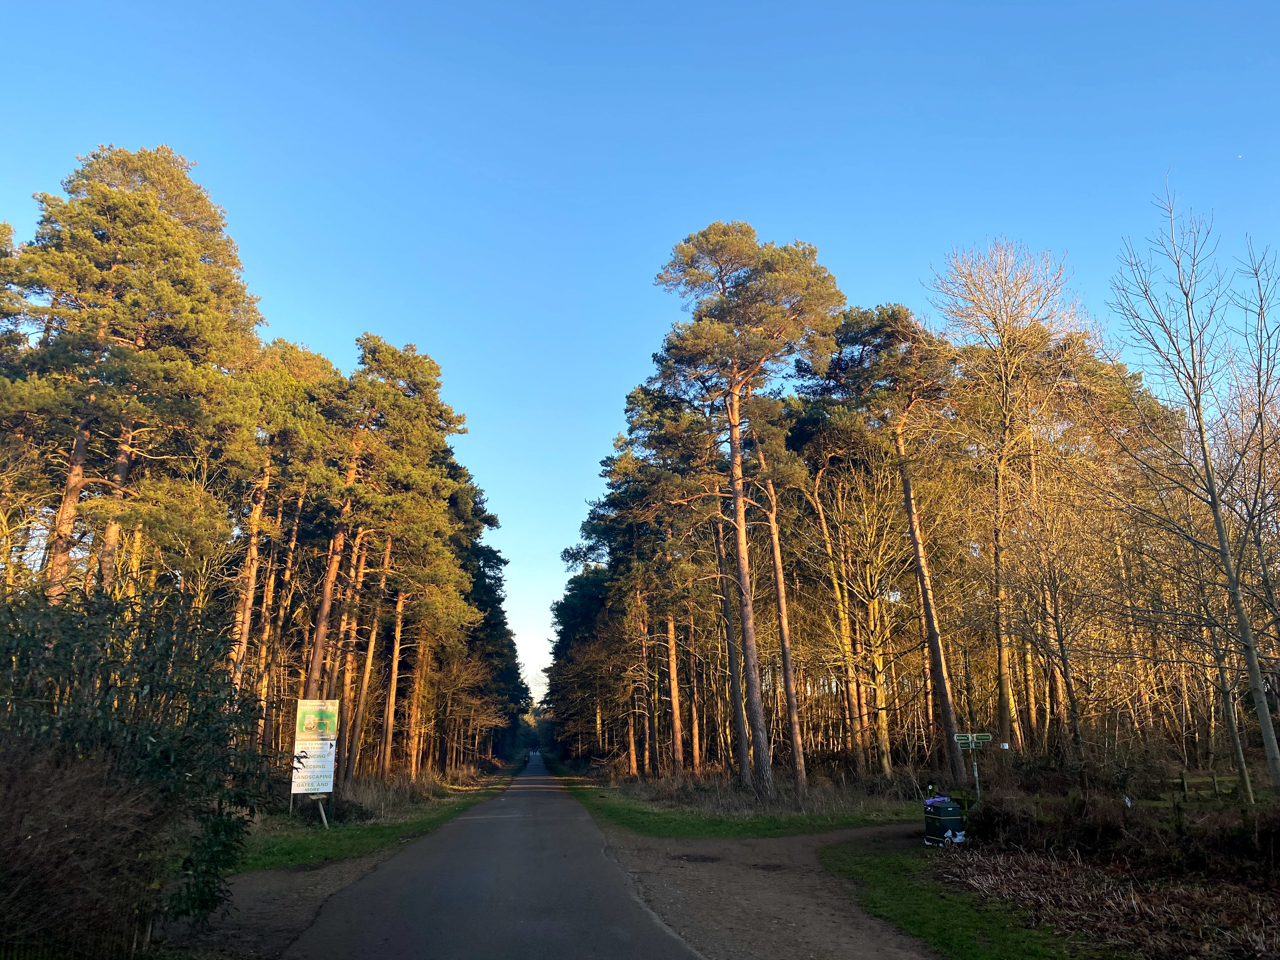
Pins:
x,y
943,822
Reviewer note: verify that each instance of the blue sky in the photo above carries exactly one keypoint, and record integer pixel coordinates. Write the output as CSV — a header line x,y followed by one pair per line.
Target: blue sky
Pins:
x,y
499,182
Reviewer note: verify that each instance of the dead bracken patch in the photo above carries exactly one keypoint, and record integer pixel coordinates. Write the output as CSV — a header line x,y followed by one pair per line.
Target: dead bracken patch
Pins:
x,y
1154,917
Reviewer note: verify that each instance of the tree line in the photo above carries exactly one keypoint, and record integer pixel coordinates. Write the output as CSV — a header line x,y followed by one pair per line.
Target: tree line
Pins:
x,y
198,528
834,537
155,446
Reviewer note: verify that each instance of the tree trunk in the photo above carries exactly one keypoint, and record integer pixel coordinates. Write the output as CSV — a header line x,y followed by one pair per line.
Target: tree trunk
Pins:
x,y
1141,675
673,680
859,692
784,638
347,706
940,674
846,705
876,640
695,748
111,535
421,664
389,713
853,725
645,751
971,698
1058,699
1229,720
762,764
632,767
1244,626
1073,705
1004,679
286,578
650,722
1029,696
64,524
741,747
926,669
135,562
249,579
342,600
336,548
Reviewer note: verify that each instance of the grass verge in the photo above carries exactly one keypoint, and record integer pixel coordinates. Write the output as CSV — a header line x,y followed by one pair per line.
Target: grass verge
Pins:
x,y
282,843
898,885
654,820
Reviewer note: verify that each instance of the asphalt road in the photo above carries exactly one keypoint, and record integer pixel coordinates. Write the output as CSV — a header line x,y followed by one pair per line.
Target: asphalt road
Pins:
x,y
524,875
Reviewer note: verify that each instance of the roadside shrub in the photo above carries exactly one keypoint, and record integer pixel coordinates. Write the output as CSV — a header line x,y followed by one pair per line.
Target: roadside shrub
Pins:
x,y
1005,773
120,736
1221,842
81,845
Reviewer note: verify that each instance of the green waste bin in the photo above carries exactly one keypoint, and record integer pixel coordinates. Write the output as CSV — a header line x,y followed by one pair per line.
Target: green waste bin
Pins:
x,y
943,822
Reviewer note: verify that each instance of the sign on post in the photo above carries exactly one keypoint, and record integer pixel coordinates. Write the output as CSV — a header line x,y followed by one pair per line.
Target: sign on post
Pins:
x,y
315,745
972,741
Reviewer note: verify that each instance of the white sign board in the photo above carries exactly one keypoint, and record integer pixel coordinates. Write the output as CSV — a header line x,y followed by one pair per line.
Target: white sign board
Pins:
x,y
315,745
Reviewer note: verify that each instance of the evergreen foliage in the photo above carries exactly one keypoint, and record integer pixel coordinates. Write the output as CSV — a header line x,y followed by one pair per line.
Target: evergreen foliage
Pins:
x,y
198,528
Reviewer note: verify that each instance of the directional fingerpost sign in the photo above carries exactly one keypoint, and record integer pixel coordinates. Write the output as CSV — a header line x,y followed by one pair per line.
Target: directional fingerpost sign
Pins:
x,y
972,741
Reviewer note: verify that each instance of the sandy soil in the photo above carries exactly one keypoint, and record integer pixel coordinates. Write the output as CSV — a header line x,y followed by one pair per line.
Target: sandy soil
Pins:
x,y
761,899
270,908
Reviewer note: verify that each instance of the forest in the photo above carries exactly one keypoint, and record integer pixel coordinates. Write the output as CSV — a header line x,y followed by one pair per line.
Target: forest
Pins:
x,y
833,537
832,540
200,527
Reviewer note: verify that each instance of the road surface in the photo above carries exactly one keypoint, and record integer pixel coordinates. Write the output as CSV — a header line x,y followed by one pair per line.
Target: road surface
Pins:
x,y
524,875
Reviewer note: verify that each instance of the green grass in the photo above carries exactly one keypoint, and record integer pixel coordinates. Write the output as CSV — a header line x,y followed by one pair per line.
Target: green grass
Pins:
x,y
898,885
652,820
285,844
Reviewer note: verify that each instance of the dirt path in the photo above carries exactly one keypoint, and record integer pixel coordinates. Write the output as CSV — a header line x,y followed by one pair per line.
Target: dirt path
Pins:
x,y
269,909
761,899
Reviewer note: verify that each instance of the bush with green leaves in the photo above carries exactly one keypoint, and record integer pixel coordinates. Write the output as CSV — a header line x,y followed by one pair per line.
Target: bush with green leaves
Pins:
x,y
128,779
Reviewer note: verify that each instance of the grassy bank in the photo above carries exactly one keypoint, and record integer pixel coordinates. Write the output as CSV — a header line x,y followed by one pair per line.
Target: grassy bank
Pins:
x,y
699,813
899,885
279,841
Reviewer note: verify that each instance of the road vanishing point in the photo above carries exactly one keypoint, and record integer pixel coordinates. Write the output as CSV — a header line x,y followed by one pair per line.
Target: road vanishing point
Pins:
x,y
524,875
